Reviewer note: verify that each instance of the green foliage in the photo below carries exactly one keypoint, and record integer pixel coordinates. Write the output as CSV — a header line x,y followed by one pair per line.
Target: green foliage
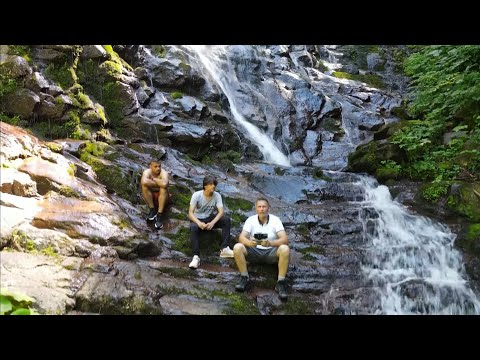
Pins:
x,y
176,95
96,148
115,57
224,160
159,50
447,80
15,303
113,105
446,99
10,120
372,80
50,251
473,232
239,304
103,89
237,208
209,241
389,169
181,196
417,136
67,191
21,50
63,75
7,85
435,190
471,241
56,148
238,204
181,240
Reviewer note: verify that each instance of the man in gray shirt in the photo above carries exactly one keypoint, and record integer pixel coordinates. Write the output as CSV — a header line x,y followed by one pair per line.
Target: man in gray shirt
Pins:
x,y
206,213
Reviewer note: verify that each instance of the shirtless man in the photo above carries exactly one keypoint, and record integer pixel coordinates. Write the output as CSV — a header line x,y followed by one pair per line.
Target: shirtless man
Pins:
x,y
155,187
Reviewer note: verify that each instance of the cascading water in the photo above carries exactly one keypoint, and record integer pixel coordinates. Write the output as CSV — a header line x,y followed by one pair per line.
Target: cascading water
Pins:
x,y
216,61
410,259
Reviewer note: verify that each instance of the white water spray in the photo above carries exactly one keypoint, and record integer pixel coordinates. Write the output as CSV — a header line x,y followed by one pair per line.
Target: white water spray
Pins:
x,y
411,260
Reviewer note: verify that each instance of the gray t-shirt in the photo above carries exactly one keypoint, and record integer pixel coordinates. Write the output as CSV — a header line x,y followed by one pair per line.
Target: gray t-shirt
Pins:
x,y
203,208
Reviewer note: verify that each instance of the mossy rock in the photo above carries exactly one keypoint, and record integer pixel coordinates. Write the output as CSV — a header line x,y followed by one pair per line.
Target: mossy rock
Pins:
x,y
367,157
384,174
296,306
464,199
237,208
388,130
111,176
180,197
371,79
108,305
209,241
470,240
238,304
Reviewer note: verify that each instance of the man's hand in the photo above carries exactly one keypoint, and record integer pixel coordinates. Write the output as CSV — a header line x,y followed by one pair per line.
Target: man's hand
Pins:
x,y
209,226
252,242
201,225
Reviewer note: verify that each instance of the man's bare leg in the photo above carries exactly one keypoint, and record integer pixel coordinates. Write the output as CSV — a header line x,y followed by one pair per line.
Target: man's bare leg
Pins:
x,y
239,253
162,199
147,196
283,254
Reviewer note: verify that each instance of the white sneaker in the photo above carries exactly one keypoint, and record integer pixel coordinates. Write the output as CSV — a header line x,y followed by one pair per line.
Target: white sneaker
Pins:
x,y
226,253
195,262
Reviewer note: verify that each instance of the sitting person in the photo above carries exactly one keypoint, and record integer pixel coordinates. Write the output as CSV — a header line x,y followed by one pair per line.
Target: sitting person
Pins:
x,y
154,185
206,213
263,240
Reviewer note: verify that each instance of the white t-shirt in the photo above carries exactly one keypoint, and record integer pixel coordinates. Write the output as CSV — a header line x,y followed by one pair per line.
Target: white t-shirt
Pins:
x,y
271,228
203,208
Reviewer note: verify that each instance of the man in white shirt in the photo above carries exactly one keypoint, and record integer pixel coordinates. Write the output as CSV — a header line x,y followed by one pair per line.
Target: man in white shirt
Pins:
x,y
206,213
263,241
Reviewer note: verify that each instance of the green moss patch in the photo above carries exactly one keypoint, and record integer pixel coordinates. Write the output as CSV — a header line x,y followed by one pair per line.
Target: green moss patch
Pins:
x,y
209,241
372,79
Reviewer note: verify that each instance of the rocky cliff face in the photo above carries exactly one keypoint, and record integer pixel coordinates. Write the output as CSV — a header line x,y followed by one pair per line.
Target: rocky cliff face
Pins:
x,y
96,115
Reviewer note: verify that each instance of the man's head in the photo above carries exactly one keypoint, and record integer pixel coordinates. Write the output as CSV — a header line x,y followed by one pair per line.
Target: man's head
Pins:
x,y
262,206
208,181
155,167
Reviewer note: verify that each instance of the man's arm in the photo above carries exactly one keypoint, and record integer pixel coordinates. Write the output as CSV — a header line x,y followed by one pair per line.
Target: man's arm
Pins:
x,y
162,180
145,181
282,240
244,239
212,223
193,218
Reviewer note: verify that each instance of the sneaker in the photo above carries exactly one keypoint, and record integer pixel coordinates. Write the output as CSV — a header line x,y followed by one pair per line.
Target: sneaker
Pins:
x,y
281,288
151,215
226,253
195,262
242,285
158,221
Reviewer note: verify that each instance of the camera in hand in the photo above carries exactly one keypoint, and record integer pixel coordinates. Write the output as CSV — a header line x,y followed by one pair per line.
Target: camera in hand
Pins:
x,y
260,236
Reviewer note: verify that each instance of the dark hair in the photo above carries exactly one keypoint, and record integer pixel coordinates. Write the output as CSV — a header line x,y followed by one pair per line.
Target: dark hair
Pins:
x,y
209,179
262,199
154,161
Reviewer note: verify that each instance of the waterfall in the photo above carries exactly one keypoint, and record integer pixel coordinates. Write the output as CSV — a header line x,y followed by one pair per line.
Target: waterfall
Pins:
x,y
216,62
331,62
410,260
